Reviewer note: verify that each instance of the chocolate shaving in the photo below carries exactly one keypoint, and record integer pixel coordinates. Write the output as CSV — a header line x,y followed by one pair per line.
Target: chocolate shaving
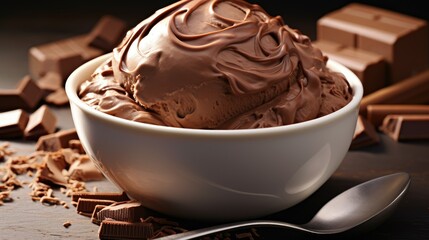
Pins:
x,y
5,151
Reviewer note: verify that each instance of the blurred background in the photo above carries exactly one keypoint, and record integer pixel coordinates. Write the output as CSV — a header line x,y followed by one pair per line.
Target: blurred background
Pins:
x,y
71,15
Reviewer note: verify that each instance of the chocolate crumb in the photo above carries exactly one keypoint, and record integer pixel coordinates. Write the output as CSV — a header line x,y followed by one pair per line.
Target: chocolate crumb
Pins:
x,y
5,151
67,224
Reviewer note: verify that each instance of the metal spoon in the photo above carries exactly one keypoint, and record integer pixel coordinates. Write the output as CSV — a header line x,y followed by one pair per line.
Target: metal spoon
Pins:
x,y
365,204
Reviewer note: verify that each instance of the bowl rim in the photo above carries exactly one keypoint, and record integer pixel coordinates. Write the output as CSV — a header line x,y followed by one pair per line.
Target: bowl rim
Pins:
x,y
72,85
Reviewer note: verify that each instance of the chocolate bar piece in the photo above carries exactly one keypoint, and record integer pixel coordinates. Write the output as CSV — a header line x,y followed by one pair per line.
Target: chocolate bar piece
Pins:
x,y
114,196
94,217
13,123
406,127
369,67
55,141
41,122
125,230
413,90
60,57
86,206
26,96
107,33
365,134
401,39
130,211
376,113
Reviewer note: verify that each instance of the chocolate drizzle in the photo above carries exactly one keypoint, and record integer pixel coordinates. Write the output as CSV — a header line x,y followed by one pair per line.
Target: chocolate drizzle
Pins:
x,y
216,65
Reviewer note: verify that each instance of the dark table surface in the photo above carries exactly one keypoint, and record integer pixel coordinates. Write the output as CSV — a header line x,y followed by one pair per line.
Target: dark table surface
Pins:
x,y
23,27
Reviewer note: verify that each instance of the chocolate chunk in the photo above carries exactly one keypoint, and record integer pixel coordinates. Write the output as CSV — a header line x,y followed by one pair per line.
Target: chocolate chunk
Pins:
x,y
83,169
365,134
86,206
369,67
55,141
402,40
406,127
76,146
26,96
49,83
51,171
108,33
376,113
57,98
129,211
124,230
13,123
60,57
114,196
413,90
41,122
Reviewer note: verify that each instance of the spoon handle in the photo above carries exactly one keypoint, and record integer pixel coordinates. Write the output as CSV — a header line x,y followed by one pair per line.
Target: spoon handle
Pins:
x,y
224,227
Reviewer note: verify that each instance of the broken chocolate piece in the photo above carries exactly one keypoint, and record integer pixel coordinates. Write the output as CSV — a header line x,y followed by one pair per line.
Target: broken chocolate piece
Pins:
x,y
108,33
129,211
406,127
76,146
13,123
369,67
26,96
376,113
114,196
51,171
86,206
83,169
60,57
393,35
58,98
55,141
125,230
365,134
413,90
50,82
41,122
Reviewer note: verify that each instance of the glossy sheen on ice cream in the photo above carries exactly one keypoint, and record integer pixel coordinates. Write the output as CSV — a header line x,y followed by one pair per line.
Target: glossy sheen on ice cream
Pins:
x,y
215,64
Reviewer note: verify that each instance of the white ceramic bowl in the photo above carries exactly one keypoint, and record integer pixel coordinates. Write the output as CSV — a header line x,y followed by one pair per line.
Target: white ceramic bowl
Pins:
x,y
215,175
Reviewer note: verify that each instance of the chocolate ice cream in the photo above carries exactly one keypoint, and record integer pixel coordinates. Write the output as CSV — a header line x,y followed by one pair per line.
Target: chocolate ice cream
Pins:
x,y
216,64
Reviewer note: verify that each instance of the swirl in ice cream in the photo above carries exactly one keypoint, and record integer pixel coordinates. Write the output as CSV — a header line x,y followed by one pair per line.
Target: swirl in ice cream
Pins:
x,y
216,64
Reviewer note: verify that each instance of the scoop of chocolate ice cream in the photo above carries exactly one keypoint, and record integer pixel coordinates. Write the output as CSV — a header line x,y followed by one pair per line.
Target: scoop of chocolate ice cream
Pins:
x,y
216,64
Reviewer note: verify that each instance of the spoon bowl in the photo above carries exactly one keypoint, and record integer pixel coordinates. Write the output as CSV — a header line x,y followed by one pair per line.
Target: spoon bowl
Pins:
x,y
363,206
